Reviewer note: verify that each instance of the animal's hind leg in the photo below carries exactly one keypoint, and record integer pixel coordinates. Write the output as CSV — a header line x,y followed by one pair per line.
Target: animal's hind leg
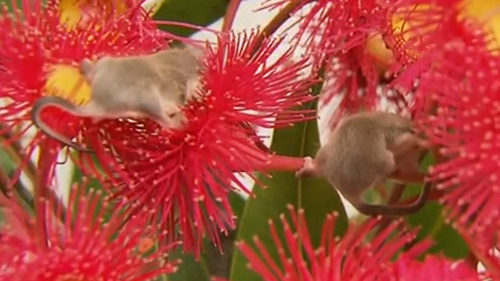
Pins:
x,y
381,190
387,163
407,149
388,167
407,142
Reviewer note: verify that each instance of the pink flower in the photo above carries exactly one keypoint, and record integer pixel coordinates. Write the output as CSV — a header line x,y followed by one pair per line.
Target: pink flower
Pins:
x,y
347,258
182,178
86,245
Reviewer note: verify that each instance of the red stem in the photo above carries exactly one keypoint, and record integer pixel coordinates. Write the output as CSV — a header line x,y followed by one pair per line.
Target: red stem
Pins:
x,y
40,193
281,163
231,11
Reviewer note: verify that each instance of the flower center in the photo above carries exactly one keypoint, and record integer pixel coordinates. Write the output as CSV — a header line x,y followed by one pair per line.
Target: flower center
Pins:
x,y
404,27
487,11
67,82
427,18
384,57
78,11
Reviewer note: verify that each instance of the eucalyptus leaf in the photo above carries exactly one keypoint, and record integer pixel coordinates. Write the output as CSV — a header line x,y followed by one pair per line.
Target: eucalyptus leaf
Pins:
x,y
198,12
9,3
211,262
189,269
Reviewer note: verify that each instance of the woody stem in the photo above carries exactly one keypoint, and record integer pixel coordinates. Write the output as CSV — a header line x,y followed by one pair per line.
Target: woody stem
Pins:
x,y
231,11
41,195
278,20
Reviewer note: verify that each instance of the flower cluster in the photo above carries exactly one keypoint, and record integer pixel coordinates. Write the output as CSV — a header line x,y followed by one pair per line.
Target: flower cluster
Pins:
x,y
442,57
345,39
352,257
450,48
188,173
39,57
437,60
87,241
180,178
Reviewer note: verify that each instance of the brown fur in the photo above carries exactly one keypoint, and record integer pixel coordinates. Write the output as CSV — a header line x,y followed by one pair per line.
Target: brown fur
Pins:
x,y
363,151
154,86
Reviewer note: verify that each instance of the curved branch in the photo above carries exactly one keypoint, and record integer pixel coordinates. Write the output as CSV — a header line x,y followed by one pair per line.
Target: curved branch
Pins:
x,y
278,20
231,11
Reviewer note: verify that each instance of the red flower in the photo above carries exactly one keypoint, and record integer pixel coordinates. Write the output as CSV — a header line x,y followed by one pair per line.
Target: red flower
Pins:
x,y
346,33
451,56
432,268
421,30
347,258
465,90
39,56
182,178
82,246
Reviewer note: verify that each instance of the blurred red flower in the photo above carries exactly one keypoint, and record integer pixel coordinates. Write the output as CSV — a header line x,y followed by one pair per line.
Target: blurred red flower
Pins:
x,y
421,30
453,58
182,178
348,34
432,268
91,242
348,258
466,128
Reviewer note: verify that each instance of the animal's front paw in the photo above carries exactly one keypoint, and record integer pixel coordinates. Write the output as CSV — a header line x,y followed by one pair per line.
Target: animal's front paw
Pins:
x,y
307,169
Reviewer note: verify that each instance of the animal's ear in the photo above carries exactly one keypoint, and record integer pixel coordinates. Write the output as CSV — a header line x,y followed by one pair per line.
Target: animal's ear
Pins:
x,y
86,67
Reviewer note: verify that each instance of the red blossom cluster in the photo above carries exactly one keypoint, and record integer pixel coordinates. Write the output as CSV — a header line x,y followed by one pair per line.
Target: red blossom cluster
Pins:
x,y
449,59
90,244
436,59
178,178
344,38
440,64
352,257
187,174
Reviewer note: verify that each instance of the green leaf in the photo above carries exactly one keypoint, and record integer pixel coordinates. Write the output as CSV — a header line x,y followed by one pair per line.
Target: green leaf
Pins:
x,y
198,12
8,165
211,263
314,195
189,269
9,3
431,221
237,204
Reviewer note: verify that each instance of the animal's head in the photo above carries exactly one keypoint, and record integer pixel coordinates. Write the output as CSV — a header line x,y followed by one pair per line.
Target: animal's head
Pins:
x,y
174,116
